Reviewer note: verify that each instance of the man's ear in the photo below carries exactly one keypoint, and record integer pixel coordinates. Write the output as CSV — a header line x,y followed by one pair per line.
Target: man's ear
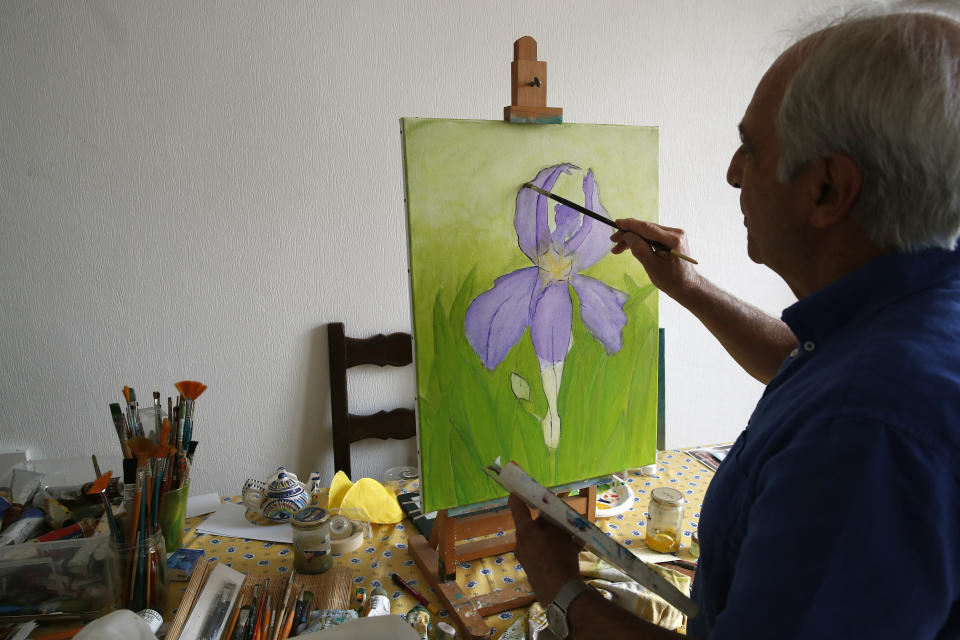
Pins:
x,y
838,181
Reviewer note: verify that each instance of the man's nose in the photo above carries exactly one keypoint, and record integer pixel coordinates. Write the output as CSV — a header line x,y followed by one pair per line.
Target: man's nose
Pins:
x,y
734,170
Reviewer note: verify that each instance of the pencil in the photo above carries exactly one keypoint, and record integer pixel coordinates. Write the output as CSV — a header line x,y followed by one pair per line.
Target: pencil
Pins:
x,y
659,246
400,582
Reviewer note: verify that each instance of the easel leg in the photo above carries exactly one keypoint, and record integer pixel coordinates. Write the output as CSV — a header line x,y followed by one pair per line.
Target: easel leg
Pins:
x,y
459,605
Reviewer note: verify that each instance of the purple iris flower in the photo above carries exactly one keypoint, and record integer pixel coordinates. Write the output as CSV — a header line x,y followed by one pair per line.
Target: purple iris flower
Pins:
x,y
539,296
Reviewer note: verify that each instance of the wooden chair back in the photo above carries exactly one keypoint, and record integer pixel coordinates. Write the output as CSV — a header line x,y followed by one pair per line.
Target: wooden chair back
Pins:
x,y
394,350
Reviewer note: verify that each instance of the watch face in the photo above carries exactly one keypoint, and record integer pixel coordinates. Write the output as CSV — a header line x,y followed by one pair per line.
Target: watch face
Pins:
x,y
557,619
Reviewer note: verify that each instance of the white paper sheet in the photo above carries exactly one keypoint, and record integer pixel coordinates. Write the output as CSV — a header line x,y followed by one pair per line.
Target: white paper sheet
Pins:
x,y
199,505
230,520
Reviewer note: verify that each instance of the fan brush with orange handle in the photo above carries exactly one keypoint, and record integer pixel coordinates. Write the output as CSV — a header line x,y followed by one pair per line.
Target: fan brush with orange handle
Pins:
x,y
190,390
99,487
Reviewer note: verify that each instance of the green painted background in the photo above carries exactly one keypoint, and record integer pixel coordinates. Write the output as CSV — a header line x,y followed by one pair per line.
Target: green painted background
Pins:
x,y
462,178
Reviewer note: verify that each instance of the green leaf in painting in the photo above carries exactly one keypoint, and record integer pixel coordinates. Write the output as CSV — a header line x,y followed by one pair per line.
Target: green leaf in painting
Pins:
x,y
521,388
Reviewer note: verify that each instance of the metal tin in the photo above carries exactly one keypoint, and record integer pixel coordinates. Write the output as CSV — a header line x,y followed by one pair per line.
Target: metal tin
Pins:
x,y
311,540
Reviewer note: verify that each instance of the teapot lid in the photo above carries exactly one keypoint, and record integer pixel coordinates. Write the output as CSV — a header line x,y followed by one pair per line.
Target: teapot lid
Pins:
x,y
284,480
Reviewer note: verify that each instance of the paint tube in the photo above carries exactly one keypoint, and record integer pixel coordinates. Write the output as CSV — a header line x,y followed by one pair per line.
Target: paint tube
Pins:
x,y
57,513
378,604
24,528
11,515
23,484
321,619
419,619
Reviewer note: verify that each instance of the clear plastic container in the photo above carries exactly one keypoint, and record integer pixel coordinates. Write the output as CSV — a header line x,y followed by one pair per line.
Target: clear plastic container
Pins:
x,y
63,576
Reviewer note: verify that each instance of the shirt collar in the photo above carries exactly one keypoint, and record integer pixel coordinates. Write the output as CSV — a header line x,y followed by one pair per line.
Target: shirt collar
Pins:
x,y
864,291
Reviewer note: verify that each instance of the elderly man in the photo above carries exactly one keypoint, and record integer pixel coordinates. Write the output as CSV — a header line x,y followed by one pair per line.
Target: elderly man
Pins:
x,y
837,511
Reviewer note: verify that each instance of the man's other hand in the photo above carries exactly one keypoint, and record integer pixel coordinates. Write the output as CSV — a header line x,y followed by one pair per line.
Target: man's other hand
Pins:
x,y
548,554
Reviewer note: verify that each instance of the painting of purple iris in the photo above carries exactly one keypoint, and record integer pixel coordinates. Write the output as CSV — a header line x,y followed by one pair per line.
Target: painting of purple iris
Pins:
x,y
538,297
531,341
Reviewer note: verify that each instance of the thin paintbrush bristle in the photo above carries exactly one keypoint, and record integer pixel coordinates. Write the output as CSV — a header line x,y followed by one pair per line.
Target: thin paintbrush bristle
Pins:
x,y
190,389
126,394
100,483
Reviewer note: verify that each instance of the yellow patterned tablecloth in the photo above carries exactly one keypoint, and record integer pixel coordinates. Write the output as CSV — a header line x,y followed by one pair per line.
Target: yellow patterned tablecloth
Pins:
x,y
386,551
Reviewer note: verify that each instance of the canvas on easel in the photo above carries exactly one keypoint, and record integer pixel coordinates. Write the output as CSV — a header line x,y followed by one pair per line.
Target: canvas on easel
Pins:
x,y
532,342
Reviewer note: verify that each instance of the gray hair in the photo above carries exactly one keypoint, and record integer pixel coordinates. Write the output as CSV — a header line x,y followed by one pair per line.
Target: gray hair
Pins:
x,y
883,86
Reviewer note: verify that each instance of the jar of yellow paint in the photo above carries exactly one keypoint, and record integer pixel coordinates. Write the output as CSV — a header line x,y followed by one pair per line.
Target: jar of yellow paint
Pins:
x,y
664,520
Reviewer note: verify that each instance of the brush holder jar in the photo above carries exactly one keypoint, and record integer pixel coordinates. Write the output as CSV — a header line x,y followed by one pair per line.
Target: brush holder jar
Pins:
x,y
140,573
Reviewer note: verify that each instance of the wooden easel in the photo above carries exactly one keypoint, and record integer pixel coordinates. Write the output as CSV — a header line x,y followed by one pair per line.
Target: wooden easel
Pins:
x,y
438,557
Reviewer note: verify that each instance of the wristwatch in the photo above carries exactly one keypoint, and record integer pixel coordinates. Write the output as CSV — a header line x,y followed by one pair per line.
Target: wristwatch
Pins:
x,y
557,610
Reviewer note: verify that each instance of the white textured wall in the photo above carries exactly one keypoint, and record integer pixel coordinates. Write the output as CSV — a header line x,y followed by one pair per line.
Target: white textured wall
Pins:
x,y
192,190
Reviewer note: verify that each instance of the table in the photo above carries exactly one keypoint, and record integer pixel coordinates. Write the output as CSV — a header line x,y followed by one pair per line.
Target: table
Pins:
x,y
386,551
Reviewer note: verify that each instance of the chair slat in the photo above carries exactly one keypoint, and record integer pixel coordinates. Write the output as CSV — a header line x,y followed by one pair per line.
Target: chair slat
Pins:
x,y
395,350
397,424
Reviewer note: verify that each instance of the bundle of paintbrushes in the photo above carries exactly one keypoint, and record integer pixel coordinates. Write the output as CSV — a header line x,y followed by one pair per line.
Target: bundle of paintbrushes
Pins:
x,y
157,460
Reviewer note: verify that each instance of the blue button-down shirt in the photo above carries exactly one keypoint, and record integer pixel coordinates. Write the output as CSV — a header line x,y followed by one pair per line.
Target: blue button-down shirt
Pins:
x,y
837,512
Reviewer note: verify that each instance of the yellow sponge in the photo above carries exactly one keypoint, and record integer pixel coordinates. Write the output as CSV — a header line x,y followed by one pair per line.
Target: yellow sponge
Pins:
x,y
370,501
338,488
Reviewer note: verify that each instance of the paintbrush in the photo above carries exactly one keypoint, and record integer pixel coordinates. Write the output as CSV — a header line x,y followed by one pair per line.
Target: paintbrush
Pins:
x,y
156,416
254,609
659,246
100,487
116,413
283,610
133,411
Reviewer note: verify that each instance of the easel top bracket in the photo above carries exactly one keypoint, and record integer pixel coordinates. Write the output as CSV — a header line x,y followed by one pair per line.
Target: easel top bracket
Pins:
x,y
528,87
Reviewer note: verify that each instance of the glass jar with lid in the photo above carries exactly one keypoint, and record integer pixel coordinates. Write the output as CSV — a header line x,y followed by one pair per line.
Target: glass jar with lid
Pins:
x,y
311,540
665,516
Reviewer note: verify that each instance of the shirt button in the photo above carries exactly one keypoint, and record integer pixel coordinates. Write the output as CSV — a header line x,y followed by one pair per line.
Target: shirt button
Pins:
x,y
809,346
794,353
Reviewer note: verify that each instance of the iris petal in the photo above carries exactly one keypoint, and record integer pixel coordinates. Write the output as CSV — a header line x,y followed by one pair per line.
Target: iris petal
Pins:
x,y
496,319
530,219
566,220
551,323
601,308
592,240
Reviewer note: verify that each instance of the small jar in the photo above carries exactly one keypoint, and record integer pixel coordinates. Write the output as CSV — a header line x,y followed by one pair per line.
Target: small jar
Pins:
x,y
311,540
665,514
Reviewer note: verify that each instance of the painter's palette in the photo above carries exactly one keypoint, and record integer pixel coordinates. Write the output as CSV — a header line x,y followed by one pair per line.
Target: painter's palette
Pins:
x,y
613,498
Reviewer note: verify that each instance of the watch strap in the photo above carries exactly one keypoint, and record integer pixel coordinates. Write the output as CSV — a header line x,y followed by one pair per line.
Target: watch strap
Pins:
x,y
565,597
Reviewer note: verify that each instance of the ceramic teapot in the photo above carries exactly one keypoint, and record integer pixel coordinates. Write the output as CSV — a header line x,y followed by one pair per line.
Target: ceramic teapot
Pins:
x,y
280,497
